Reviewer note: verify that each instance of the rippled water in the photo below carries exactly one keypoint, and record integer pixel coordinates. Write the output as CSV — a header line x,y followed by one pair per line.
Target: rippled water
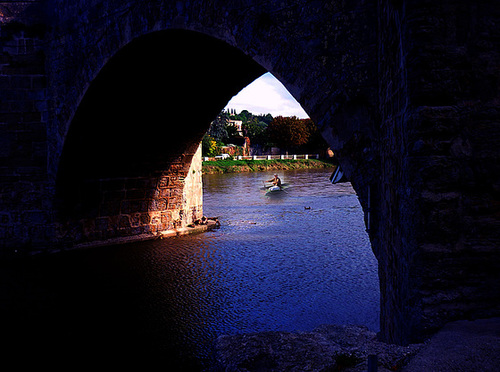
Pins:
x,y
302,257
286,261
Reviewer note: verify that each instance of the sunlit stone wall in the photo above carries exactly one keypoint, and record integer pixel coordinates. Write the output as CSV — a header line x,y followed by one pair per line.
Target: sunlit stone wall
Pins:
x,y
192,195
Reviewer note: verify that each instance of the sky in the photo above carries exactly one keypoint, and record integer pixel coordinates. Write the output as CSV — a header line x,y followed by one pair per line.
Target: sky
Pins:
x,y
266,95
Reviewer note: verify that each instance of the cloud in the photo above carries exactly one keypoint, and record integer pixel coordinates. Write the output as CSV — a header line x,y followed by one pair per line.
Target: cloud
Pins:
x,y
266,95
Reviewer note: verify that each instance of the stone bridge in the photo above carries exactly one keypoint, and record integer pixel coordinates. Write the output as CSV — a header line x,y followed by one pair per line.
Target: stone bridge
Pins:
x,y
98,127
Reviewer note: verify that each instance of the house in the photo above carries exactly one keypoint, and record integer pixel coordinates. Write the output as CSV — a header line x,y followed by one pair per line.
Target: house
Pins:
x,y
239,146
238,124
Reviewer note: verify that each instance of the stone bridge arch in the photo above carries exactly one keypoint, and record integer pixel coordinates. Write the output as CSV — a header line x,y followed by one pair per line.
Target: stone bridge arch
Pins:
x,y
405,92
276,36
270,36
125,167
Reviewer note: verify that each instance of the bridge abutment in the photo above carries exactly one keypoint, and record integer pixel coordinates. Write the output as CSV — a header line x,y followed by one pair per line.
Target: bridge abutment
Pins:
x,y
118,210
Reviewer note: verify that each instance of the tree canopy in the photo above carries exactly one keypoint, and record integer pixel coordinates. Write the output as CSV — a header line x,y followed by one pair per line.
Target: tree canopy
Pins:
x,y
218,127
288,133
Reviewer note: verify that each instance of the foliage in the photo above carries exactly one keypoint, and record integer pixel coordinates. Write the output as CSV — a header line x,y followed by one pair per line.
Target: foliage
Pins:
x,y
268,118
315,140
256,130
218,127
209,146
232,166
231,130
288,132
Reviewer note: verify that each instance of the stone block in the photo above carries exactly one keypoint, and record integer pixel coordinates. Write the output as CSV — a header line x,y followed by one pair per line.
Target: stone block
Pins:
x,y
165,193
138,183
20,82
133,206
135,220
5,218
110,196
145,219
164,182
156,220
113,184
35,217
38,82
158,204
124,222
5,83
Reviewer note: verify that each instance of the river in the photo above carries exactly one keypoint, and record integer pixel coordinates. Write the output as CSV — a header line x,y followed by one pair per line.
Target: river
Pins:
x,y
287,261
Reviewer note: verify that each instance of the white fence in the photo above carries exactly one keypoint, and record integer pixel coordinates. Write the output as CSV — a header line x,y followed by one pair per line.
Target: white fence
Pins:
x,y
271,157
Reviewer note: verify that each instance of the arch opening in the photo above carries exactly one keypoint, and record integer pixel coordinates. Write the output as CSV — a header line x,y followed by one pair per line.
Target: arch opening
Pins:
x,y
130,144
132,140
272,234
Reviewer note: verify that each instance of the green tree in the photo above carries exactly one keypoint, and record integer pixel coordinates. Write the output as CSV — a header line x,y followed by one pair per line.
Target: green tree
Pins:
x,y
218,127
232,131
256,130
245,115
268,118
209,146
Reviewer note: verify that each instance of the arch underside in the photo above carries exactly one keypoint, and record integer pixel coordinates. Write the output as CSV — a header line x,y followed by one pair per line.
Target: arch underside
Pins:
x,y
128,152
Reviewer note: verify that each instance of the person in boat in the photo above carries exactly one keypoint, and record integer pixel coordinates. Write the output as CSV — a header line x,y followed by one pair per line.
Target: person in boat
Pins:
x,y
276,181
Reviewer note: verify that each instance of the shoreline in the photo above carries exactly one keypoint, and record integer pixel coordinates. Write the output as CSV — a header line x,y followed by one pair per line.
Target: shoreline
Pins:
x,y
462,345
211,224
240,166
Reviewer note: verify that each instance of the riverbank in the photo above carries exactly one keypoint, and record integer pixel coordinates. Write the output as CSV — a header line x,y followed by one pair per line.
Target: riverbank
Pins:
x,y
238,166
326,348
194,228
458,346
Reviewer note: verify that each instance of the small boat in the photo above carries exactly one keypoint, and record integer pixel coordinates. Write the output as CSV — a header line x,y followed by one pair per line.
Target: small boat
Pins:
x,y
273,188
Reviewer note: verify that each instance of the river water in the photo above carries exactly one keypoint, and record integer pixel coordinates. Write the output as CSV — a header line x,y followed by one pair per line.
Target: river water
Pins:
x,y
286,261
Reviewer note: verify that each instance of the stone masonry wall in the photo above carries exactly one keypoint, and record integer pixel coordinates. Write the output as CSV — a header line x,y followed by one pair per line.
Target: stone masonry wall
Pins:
x,y
192,195
30,219
24,187
438,206
453,135
393,227
127,209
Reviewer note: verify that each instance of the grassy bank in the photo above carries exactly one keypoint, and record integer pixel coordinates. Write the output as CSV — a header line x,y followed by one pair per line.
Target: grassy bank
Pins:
x,y
236,166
